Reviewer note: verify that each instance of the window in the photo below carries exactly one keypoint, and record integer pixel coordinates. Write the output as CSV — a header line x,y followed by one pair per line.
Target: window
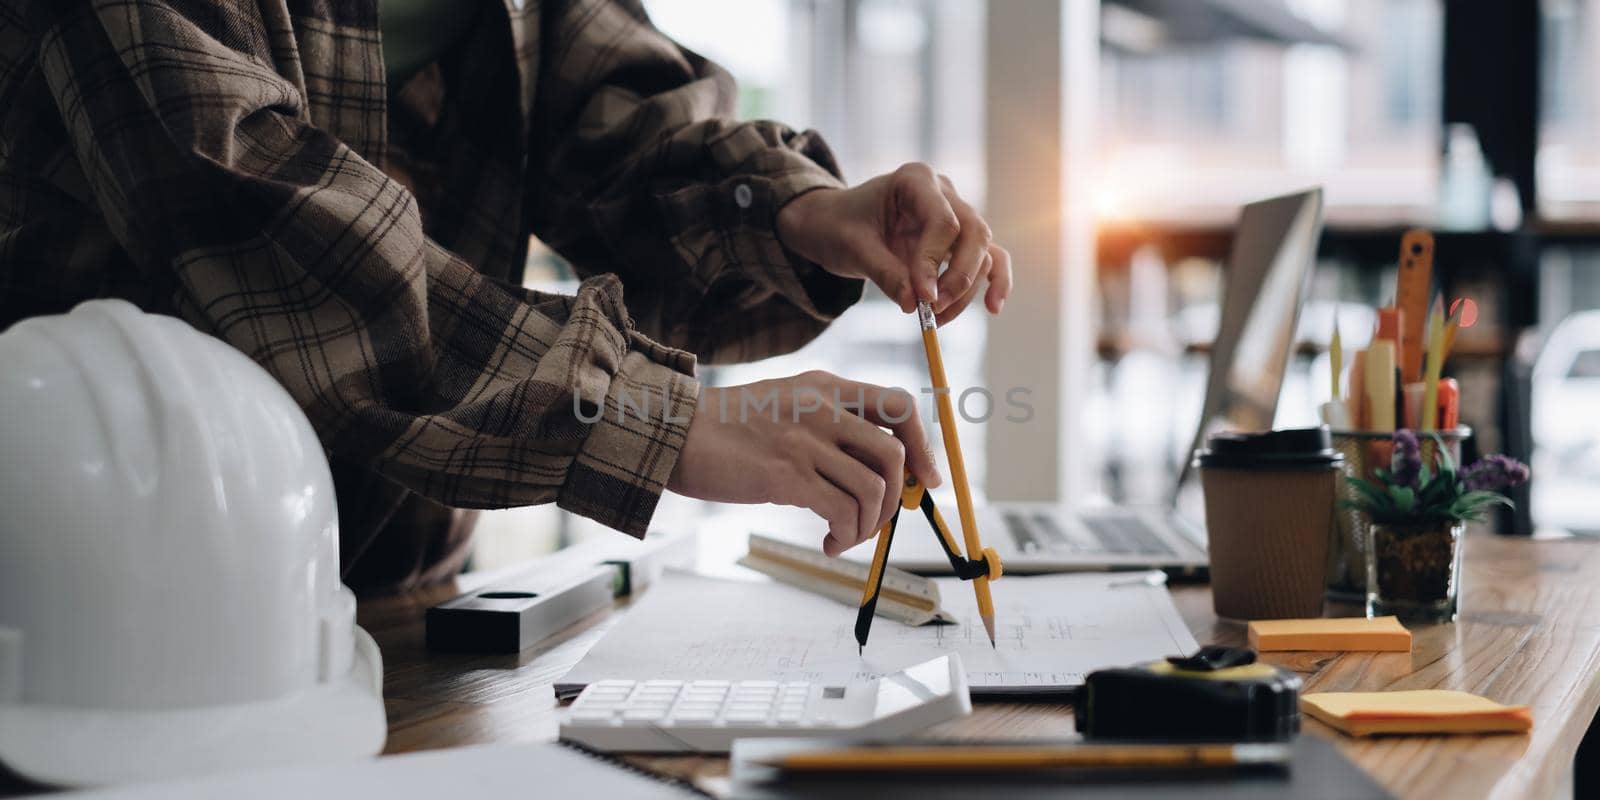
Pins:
x,y
1569,158
1208,110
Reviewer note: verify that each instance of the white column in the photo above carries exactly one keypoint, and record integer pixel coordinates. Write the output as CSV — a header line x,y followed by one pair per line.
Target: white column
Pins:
x,y
1042,93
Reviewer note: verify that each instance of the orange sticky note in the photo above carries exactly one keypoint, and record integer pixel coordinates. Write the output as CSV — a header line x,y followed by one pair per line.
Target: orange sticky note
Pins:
x,y
1423,711
1351,633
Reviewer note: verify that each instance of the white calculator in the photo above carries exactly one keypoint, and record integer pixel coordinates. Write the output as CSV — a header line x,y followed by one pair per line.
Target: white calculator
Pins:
x,y
665,716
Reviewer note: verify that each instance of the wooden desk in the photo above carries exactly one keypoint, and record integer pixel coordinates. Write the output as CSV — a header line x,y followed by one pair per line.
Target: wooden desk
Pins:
x,y
1529,633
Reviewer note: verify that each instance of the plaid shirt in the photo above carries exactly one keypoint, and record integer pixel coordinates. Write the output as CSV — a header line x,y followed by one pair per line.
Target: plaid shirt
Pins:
x,y
243,166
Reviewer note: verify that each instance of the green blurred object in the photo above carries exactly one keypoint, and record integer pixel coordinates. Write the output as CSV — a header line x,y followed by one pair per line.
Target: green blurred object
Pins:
x,y
417,32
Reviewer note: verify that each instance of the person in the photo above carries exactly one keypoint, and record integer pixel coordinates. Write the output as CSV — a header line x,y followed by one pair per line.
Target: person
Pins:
x,y
345,191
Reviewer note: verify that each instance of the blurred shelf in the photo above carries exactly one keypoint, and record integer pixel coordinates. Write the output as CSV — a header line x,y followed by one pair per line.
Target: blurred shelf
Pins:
x,y
1374,244
1112,347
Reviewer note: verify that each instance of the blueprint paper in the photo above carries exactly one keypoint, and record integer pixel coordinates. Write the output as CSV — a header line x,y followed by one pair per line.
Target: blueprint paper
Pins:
x,y
1051,632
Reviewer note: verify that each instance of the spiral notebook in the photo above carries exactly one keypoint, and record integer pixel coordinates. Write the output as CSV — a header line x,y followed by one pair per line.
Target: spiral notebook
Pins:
x,y
1052,631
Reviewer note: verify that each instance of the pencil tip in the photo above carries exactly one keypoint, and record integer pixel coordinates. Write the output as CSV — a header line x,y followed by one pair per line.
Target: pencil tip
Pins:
x,y
988,627
861,649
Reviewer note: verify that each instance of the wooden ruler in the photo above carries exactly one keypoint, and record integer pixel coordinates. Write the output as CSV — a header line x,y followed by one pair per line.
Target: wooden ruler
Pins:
x,y
908,598
1411,295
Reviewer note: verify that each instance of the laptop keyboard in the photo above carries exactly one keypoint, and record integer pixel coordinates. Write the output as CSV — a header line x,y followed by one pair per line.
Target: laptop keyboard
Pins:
x,y
1114,534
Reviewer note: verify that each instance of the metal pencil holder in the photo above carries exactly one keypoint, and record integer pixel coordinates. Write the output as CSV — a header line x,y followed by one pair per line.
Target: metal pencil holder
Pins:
x,y
1364,452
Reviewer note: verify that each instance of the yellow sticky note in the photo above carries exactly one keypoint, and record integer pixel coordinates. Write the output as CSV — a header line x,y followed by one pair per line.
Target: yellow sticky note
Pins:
x,y
1422,711
1350,633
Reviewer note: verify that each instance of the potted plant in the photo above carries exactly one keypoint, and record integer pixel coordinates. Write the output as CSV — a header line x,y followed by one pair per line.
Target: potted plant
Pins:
x,y
1418,508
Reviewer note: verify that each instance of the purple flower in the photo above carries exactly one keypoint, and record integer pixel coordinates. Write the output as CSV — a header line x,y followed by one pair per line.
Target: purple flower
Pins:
x,y
1405,465
1494,474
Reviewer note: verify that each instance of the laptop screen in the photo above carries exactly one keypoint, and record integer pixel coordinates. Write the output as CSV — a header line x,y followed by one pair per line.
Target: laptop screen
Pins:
x,y
1268,270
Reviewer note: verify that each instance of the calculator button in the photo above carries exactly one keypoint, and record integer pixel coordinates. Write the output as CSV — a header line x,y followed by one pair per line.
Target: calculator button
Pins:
x,y
590,715
758,684
695,714
788,717
698,705
746,716
663,684
644,713
612,685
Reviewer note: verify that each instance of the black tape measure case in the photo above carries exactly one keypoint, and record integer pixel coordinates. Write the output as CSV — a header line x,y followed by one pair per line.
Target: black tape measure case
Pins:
x,y
1216,694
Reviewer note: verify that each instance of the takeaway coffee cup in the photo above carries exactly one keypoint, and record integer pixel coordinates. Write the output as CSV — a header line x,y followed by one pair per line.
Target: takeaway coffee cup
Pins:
x,y
1269,517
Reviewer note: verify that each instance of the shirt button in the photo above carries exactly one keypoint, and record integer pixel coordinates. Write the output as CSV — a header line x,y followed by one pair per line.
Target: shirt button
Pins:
x,y
742,195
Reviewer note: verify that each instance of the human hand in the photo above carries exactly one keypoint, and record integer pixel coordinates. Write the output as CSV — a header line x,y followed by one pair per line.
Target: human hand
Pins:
x,y
811,441
895,230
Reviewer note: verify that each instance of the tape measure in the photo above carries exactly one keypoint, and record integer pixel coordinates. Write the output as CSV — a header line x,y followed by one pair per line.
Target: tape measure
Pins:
x,y
1219,693
904,597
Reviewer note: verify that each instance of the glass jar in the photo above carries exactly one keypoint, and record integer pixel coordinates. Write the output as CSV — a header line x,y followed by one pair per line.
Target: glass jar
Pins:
x,y
1364,452
1414,570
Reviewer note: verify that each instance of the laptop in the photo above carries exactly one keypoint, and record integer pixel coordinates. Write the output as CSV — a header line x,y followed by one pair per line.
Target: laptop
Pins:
x,y
1269,269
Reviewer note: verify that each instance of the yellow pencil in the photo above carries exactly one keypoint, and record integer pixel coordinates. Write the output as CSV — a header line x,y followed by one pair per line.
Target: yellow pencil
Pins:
x,y
1430,381
1452,326
958,468
1336,358
915,758
869,592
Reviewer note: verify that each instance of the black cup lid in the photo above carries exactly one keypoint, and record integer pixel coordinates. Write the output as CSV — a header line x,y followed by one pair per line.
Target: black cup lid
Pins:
x,y
1295,448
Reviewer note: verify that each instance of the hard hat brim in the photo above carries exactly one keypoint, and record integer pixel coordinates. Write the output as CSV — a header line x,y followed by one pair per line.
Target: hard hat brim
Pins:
x,y
339,720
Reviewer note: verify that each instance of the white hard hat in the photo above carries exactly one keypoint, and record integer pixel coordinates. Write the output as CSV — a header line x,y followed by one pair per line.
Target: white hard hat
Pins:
x,y
170,600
